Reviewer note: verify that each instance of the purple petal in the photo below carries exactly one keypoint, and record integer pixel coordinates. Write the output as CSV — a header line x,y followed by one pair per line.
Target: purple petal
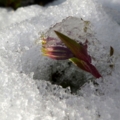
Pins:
x,y
57,52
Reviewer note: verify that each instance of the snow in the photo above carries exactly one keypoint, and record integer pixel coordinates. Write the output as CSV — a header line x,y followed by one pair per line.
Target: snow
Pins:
x,y
26,93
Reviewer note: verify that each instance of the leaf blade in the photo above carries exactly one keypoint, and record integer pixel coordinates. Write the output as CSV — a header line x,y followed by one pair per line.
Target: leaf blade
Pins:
x,y
86,67
79,50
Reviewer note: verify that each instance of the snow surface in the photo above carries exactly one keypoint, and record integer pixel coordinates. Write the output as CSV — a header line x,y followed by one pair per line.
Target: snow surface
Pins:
x,y
24,98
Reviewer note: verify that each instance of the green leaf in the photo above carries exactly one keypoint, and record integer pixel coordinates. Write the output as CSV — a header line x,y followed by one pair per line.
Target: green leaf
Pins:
x,y
79,50
70,43
86,66
80,63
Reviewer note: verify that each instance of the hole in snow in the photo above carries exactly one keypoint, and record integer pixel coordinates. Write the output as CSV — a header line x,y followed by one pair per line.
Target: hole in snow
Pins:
x,y
64,73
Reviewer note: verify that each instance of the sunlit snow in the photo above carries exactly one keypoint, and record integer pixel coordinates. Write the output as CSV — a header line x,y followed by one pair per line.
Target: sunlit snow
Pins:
x,y
25,90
